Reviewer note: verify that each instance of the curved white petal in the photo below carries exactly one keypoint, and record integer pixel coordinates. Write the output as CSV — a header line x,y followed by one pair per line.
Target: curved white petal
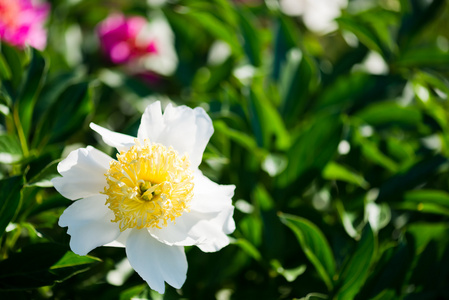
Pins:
x,y
193,228
186,130
89,222
156,262
82,173
210,196
209,220
120,241
213,197
122,142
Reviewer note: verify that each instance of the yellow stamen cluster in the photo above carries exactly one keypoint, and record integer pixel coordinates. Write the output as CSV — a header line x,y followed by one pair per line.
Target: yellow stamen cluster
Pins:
x,y
148,185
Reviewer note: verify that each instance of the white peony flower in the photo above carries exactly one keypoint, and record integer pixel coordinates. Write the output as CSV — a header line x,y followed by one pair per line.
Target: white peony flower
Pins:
x,y
318,15
153,200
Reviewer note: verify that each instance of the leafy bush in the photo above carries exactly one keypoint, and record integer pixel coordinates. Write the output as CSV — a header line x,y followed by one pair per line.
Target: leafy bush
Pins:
x,y
337,142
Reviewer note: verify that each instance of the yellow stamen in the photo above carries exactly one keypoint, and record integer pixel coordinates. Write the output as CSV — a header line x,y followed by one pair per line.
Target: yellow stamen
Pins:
x,y
148,186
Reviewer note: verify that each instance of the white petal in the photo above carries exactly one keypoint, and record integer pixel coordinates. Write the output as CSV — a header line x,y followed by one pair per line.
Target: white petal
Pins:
x,y
89,222
156,262
209,220
205,230
122,142
186,130
210,196
213,197
152,123
120,241
82,173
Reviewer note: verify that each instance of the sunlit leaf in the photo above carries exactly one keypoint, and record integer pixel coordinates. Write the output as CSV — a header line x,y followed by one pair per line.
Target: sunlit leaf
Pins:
x,y
386,113
267,123
289,274
10,150
428,196
335,171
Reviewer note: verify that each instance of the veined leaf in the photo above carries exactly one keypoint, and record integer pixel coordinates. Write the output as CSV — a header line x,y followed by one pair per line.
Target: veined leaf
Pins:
x,y
315,246
30,90
357,269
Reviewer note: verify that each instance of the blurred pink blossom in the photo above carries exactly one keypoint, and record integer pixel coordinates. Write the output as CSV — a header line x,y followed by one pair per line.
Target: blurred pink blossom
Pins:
x,y
139,44
22,23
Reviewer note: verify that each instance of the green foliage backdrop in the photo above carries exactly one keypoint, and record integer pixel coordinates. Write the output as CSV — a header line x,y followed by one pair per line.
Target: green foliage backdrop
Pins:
x,y
340,166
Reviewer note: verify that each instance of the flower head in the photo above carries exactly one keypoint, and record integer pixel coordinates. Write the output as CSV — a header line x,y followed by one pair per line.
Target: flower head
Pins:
x,y
153,200
138,44
22,23
317,15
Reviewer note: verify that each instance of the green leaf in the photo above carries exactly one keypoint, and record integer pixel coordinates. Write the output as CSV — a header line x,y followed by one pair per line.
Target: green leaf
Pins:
x,y
71,264
43,179
267,123
216,28
356,270
390,270
386,295
298,79
364,32
393,188
422,207
13,58
428,196
40,265
5,71
424,57
239,137
372,152
252,44
249,249
356,90
314,296
66,115
10,196
386,113
251,228
312,150
423,233
335,171
314,244
289,274
29,92
132,292
417,15
10,150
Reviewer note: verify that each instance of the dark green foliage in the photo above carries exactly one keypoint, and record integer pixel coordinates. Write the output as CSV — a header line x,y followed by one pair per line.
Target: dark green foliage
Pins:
x,y
340,166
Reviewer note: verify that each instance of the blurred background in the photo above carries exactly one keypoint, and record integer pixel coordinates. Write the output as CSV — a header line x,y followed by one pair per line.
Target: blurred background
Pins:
x,y
331,119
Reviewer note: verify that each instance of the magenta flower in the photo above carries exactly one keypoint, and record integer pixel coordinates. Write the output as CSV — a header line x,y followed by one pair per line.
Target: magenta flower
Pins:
x,y
138,44
22,23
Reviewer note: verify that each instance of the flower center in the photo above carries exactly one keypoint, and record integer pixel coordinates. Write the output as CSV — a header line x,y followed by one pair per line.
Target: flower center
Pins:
x,y
148,185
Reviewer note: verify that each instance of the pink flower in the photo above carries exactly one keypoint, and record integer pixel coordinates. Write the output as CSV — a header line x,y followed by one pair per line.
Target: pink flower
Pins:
x,y
22,23
139,44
